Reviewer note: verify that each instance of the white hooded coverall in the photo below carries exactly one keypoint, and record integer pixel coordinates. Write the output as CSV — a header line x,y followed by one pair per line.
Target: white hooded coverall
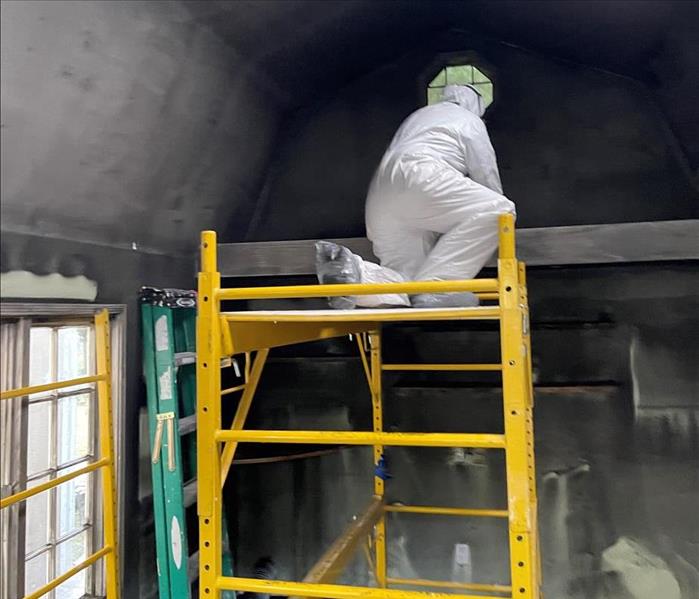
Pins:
x,y
433,205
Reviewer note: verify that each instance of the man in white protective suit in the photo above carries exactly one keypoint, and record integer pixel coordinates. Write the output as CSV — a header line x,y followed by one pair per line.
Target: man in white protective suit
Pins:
x,y
432,208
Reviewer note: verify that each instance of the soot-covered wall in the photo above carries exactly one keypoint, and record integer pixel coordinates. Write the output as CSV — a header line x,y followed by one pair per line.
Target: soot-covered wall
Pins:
x,y
122,130
575,145
124,122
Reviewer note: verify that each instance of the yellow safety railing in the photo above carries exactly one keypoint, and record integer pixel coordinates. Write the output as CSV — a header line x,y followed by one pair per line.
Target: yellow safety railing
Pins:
x,y
298,291
221,334
105,463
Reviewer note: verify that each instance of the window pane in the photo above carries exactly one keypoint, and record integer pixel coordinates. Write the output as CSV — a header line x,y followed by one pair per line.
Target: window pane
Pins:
x,y
39,437
479,77
68,554
74,416
73,352
36,573
461,75
434,95
440,80
40,355
71,503
37,518
486,90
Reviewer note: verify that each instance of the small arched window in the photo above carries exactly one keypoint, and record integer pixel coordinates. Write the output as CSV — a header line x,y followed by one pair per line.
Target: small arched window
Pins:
x,y
460,75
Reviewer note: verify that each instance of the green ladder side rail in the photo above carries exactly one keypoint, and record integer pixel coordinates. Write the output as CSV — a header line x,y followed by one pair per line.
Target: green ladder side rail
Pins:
x,y
168,318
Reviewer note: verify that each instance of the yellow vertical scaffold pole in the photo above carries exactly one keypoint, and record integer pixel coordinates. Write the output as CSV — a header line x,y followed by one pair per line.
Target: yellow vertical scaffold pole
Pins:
x,y
106,428
208,419
529,389
377,418
517,406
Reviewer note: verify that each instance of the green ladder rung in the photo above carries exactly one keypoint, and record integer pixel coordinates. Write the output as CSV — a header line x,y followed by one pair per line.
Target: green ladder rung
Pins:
x,y
169,339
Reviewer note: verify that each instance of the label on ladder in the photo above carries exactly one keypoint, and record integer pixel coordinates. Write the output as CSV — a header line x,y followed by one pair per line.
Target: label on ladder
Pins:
x,y
176,536
165,385
162,339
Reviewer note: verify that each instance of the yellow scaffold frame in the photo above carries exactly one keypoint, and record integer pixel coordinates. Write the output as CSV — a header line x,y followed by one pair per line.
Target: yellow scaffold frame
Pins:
x,y
105,462
221,334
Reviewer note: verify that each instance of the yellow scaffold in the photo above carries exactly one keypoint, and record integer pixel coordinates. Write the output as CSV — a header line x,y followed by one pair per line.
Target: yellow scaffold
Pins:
x,y
105,463
221,334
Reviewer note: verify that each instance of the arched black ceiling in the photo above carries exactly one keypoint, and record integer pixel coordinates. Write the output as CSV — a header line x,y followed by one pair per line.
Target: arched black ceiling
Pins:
x,y
307,47
306,44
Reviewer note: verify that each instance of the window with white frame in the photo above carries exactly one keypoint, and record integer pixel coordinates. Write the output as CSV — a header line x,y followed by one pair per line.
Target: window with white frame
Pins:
x,y
463,74
47,435
61,436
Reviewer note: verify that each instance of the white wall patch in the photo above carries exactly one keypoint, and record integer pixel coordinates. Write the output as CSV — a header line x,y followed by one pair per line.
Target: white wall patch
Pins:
x,y
22,284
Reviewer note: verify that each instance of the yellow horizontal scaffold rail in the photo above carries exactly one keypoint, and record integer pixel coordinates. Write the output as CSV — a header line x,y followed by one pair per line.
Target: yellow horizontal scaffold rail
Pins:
x,y
480,440
488,296
22,495
364,315
98,555
50,386
325,591
448,584
443,367
410,288
446,511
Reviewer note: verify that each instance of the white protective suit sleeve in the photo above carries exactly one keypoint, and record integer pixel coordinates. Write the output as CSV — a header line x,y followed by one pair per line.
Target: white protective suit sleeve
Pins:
x,y
480,157
479,154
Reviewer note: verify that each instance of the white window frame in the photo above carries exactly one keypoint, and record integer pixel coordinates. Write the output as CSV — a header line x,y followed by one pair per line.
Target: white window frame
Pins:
x,y
441,60
57,315
92,524
476,84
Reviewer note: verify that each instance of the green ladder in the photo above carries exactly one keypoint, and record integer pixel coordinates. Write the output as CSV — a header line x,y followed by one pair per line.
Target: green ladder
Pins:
x,y
168,318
